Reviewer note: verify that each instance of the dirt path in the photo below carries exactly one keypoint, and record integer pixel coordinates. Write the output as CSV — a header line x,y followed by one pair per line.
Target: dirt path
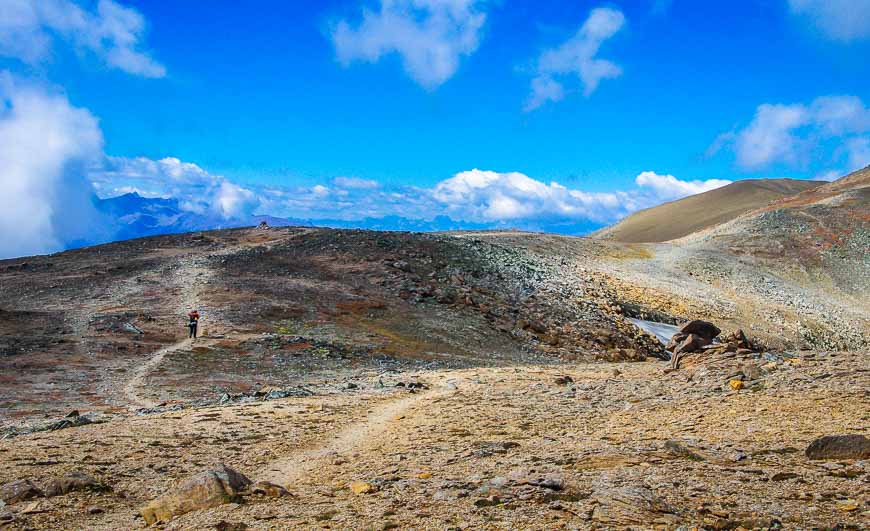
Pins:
x,y
192,275
132,386
376,427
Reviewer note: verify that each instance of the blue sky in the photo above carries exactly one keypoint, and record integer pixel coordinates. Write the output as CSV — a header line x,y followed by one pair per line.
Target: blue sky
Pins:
x,y
292,95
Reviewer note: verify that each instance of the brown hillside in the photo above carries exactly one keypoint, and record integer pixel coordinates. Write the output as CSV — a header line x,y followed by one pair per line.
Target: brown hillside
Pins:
x,y
682,217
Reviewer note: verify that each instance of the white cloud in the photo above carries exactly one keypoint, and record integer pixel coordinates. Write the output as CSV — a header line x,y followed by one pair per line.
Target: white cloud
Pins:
x,y
355,183
231,201
858,150
114,33
431,36
319,190
45,143
577,56
668,187
770,136
787,134
842,20
482,196
838,115
195,189
544,89
474,196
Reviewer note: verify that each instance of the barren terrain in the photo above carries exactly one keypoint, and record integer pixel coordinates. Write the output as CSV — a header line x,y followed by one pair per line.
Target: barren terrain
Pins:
x,y
460,380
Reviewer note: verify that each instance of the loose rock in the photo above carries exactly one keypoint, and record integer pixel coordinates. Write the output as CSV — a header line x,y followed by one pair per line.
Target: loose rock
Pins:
x,y
74,481
839,447
208,489
270,490
18,491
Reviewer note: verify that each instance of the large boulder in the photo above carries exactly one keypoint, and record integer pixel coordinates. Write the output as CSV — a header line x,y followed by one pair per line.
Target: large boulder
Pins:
x,y
839,447
207,489
20,490
704,329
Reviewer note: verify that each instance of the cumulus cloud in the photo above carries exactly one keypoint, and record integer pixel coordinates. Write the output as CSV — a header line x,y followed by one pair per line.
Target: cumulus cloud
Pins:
x,y
113,32
668,187
196,189
45,144
788,133
770,136
842,20
482,196
577,57
485,198
431,36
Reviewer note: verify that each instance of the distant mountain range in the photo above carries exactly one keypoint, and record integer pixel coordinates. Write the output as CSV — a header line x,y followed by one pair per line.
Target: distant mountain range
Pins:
x,y
134,216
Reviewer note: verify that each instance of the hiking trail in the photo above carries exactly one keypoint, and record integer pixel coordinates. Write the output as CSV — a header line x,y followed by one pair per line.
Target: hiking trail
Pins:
x,y
379,423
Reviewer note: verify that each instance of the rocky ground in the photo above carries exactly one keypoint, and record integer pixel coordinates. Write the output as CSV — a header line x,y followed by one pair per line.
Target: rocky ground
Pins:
x,y
396,380
601,445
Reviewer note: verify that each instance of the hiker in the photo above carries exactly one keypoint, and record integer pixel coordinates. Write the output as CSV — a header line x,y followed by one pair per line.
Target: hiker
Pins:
x,y
193,323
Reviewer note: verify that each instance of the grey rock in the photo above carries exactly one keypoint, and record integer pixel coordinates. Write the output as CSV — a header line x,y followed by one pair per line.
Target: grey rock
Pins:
x,y
839,447
20,490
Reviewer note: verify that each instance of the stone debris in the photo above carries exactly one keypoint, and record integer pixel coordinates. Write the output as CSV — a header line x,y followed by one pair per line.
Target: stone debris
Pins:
x,y
264,394
159,409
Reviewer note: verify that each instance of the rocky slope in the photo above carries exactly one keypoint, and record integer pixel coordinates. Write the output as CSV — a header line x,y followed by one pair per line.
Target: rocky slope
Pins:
x,y
795,271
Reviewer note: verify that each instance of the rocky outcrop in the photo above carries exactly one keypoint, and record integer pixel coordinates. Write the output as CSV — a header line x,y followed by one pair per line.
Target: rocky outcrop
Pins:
x,y
208,489
697,338
692,336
